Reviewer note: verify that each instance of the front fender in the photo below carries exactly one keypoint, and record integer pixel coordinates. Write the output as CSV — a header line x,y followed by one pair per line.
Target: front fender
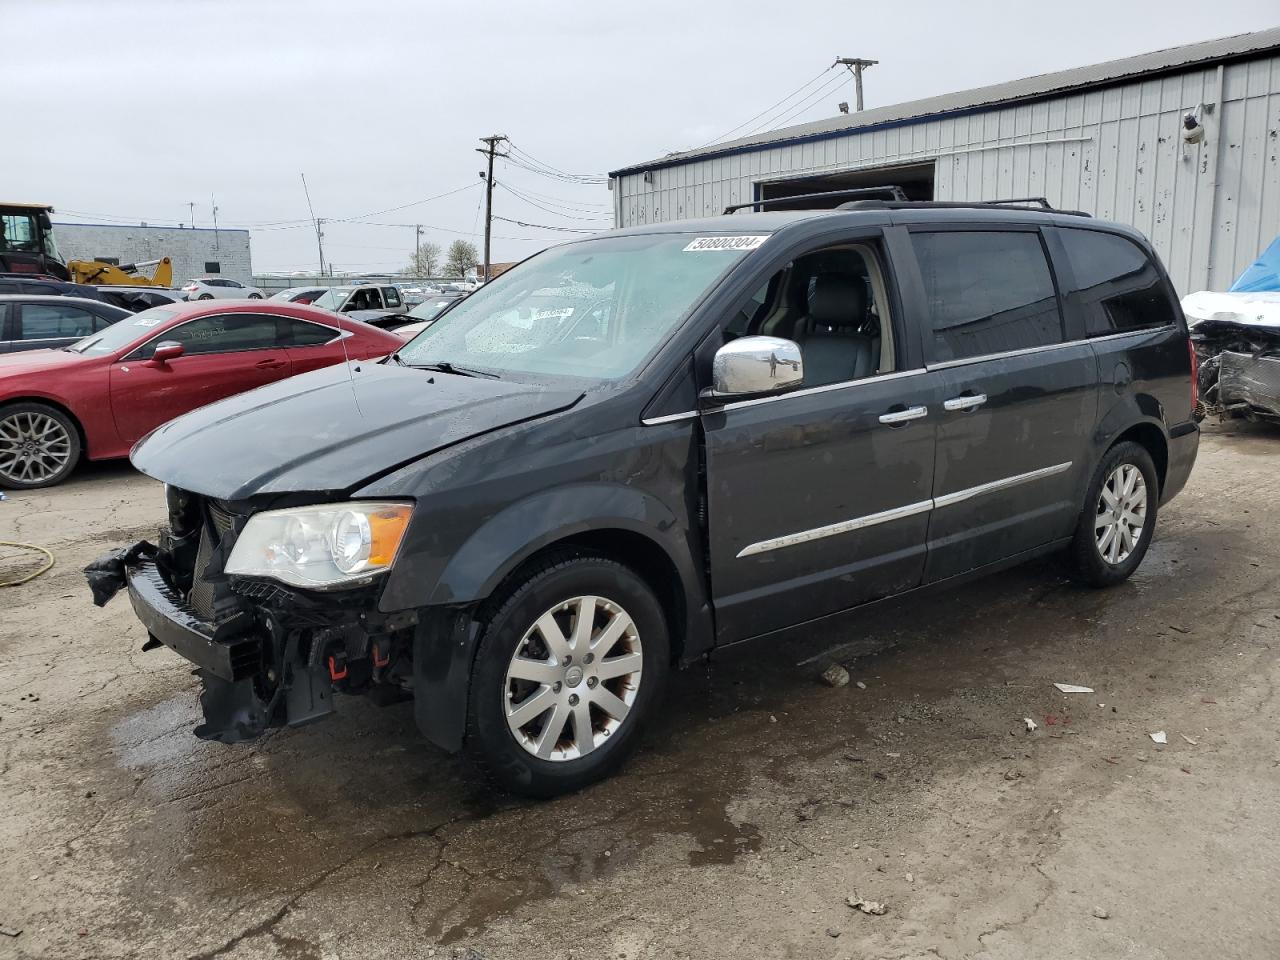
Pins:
x,y
447,639
513,535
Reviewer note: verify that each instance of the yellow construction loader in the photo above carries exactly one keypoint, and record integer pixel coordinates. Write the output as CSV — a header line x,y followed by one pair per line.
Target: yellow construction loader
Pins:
x,y
27,246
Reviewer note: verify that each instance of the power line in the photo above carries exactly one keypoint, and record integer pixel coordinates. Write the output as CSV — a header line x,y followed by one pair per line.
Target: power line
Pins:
x,y
547,226
766,110
567,216
529,158
809,101
553,200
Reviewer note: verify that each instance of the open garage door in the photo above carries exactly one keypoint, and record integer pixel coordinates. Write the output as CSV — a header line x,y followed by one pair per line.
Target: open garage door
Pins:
x,y
916,180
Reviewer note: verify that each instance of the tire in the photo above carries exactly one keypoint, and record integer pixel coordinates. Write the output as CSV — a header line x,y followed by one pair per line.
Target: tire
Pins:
x,y
255,296
39,446
624,608
1103,561
205,296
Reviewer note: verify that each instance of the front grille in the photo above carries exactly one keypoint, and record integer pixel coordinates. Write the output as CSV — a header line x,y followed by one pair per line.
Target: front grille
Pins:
x,y
201,598
210,597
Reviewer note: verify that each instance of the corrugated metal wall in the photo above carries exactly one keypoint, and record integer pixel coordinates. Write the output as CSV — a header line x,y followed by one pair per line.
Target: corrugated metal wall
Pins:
x,y
1116,153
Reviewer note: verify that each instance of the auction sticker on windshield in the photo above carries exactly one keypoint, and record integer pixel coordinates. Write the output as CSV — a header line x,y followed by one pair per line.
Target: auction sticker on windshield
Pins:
x,y
724,243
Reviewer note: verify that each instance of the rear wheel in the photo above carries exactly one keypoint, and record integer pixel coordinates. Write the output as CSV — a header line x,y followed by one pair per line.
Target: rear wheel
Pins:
x,y
1119,517
205,296
255,296
569,668
39,446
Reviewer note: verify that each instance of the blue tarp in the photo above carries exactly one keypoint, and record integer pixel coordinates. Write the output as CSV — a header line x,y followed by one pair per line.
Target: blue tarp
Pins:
x,y
1263,273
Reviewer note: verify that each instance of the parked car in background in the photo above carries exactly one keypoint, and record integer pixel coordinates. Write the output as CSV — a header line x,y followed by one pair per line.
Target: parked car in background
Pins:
x,y
299,294
410,330
431,308
41,322
384,298
136,299
219,288
97,397
633,448
46,286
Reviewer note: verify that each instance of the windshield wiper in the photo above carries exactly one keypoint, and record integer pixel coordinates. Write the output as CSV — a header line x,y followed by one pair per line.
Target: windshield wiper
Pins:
x,y
444,366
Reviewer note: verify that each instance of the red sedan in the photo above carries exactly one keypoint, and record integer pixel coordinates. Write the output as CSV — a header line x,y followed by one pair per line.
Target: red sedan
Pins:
x,y
99,396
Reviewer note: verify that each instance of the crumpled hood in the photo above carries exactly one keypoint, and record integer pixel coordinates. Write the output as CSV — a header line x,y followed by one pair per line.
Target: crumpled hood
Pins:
x,y
333,428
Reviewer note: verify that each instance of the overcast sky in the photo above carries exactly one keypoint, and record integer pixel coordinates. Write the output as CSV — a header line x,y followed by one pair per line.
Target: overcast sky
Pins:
x,y
129,110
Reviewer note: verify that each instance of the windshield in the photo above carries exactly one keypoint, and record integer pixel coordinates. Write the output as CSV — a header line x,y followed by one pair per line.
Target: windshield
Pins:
x,y
120,335
592,309
333,298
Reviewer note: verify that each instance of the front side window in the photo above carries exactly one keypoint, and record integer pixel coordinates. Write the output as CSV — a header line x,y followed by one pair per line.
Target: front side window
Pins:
x,y
227,333
50,322
594,309
1116,283
987,291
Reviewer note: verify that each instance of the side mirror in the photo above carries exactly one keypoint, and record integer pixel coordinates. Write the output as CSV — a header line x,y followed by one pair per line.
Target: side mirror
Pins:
x,y
753,367
165,351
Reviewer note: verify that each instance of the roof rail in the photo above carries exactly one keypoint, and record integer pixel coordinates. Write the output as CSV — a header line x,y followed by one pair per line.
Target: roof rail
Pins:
x,y
1041,205
895,193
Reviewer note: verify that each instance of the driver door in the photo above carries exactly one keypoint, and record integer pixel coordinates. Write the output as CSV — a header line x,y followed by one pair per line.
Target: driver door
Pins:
x,y
819,499
223,355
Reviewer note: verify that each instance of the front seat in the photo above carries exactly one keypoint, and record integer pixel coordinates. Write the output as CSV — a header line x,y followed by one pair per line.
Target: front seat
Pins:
x,y
832,347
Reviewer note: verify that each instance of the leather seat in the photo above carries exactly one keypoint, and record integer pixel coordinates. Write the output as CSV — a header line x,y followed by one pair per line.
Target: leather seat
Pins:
x,y
832,347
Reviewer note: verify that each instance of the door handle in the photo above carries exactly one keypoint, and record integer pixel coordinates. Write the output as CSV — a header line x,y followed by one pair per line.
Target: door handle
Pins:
x,y
904,416
967,402
270,364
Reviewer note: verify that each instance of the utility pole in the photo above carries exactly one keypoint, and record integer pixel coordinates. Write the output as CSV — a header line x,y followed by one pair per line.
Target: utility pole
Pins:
x,y
192,206
855,66
491,143
214,203
314,220
417,248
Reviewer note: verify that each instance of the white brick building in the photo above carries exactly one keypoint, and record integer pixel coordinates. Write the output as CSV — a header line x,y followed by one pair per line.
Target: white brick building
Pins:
x,y
195,253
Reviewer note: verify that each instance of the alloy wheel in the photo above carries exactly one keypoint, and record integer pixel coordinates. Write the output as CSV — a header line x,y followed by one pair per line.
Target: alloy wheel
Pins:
x,y
34,447
1122,513
573,678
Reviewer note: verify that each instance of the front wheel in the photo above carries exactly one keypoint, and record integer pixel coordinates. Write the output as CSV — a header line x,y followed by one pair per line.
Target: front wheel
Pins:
x,y
205,296
255,296
569,668
39,446
1118,518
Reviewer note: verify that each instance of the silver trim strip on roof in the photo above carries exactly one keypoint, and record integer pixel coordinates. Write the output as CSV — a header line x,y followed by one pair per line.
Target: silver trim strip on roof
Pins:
x,y
900,513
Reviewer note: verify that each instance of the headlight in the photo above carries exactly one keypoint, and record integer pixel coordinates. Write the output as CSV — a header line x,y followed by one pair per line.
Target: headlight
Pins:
x,y
321,547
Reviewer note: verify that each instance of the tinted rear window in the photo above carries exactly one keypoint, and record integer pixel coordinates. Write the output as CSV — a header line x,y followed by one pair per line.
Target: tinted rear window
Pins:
x,y
988,292
1118,287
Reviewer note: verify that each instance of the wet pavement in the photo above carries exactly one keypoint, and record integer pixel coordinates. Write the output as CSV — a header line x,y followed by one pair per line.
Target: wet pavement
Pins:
x,y
761,800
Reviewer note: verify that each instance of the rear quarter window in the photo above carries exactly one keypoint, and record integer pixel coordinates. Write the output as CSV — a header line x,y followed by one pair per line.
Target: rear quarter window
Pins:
x,y
1118,288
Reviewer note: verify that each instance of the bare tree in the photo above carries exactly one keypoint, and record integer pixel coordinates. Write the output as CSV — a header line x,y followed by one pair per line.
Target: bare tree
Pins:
x,y
462,257
425,262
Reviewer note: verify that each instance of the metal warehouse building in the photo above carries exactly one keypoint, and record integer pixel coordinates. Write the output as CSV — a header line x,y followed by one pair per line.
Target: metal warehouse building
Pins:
x,y
1105,139
195,252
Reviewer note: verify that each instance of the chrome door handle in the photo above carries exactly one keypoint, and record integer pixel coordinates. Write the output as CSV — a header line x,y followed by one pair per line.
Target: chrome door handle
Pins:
x,y
965,403
902,416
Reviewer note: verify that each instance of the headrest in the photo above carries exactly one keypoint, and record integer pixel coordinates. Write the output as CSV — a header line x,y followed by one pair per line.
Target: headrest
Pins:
x,y
838,300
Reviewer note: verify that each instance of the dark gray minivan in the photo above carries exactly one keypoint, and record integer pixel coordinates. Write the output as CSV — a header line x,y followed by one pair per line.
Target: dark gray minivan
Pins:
x,y
635,448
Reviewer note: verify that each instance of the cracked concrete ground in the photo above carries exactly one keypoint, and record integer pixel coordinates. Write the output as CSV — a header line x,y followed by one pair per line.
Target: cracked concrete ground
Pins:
x,y
759,803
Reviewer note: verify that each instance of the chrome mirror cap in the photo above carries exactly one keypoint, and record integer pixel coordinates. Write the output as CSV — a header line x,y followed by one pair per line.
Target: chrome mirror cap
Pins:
x,y
754,366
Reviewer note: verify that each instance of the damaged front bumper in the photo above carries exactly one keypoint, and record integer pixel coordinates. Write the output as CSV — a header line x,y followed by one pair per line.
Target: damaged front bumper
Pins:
x,y
267,655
